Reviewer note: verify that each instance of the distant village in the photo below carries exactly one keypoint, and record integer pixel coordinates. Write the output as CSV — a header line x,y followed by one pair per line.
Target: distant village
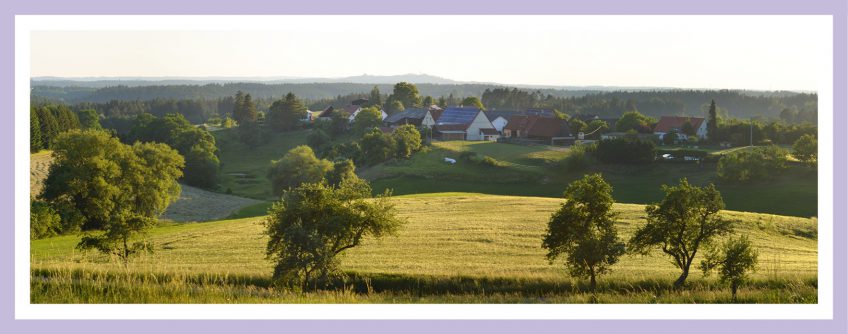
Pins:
x,y
539,126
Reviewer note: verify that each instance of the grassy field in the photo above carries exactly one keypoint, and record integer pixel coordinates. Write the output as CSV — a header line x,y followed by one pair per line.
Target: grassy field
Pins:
x,y
531,171
243,169
456,248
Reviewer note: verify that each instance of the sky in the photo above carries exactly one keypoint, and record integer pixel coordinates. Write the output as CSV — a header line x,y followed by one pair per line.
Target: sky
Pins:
x,y
734,52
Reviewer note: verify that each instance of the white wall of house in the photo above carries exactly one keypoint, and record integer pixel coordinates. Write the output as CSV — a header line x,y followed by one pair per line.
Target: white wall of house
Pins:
x,y
702,130
352,116
428,120
480,122
383,114
499,123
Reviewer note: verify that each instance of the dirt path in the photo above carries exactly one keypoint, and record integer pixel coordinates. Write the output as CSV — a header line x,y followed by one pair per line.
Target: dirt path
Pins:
x,y
195,204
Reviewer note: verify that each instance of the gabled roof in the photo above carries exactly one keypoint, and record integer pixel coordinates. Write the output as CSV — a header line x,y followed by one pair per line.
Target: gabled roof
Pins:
x,y
549,127
412,113
675,123
458,115
327,112
538,126
520,122
351,109
540,112
506,114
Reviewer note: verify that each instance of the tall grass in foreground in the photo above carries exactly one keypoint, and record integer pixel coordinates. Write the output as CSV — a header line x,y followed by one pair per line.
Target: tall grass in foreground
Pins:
x,y
65,285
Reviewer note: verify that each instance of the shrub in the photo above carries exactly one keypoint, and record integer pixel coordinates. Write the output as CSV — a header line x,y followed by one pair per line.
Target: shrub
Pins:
x,y
469,156
625,150
760,163
806,149
578,157
44,221
488,161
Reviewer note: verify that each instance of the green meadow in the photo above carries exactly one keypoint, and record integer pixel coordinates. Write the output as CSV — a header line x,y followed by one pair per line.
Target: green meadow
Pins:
x,y
454,248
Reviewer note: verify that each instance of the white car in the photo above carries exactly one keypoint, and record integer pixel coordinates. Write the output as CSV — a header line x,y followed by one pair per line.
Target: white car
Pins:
x,y
450,161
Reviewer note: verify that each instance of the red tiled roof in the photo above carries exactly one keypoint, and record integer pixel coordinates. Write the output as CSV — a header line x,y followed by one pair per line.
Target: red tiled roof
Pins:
x,y
520,122
668,123
548,127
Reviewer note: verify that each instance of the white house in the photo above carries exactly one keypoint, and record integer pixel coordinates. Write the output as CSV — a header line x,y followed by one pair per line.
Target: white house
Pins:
x,y
677,124
464,123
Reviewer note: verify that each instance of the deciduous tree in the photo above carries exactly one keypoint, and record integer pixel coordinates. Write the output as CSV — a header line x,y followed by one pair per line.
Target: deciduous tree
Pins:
x,y
314,223
583,230
298,166
685,220
733,260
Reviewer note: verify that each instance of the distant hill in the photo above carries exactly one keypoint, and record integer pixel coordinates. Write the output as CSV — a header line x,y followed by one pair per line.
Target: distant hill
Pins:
x,y
605,101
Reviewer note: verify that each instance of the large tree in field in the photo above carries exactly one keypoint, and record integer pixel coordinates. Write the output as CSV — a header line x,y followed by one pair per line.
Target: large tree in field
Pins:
x,y
298,166
583,230
685,220
407,94
733,260
101,184
195,144
285,114
314,223
248,128
407,140
712,123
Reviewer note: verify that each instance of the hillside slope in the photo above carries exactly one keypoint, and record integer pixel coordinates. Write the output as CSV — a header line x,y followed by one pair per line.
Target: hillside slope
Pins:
x,y
448,234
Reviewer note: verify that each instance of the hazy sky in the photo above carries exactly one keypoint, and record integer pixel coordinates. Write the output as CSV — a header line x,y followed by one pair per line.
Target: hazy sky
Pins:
x,y
751,52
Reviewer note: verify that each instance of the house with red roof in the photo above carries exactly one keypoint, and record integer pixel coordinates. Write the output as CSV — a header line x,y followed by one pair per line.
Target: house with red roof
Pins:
x,y
677,124
536,127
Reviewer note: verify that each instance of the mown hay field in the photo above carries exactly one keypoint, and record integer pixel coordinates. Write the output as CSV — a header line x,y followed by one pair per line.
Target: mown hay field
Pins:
x,y
456,247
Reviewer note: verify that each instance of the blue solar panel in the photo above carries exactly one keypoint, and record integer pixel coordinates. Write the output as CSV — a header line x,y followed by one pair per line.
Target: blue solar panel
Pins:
x,y
457,115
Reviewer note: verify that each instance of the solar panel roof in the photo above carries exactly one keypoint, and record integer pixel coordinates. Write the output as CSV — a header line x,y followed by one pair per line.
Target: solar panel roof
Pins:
x,y
458,115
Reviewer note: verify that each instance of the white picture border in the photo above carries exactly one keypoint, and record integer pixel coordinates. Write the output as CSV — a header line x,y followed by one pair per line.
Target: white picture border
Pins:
x,y
26,24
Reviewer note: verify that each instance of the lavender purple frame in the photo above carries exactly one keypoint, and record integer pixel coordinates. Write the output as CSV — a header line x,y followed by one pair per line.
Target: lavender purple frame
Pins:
x,y
837,8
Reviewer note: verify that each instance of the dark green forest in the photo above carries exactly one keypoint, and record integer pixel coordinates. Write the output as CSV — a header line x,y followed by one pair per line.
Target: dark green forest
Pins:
x,y
200,102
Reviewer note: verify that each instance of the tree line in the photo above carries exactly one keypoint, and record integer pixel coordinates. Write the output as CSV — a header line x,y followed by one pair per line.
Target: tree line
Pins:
x,y
787,106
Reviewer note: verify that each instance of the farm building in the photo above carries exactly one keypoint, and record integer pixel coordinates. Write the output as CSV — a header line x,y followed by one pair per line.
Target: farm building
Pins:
x,y
414,116
589,118
500,118
353,110
677,124
324,115
536,127
464,123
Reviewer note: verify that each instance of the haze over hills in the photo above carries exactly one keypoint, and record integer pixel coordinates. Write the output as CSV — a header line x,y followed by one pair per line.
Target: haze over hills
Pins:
x,y
422,78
